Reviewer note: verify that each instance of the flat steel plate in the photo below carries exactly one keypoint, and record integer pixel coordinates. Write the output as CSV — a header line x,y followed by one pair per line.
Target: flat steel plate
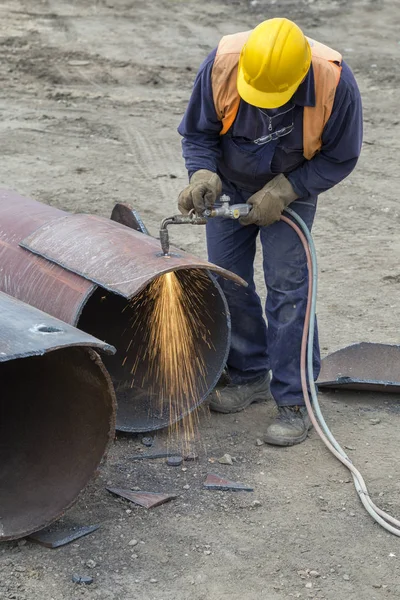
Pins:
x,y
364,366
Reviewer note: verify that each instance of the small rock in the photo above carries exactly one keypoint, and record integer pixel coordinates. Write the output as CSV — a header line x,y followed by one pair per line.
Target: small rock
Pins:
x,y
349,447
352,514
226,459
375,421
259,442
377,585
153,580
256,503
303,574
133,543
21,543
128,511
309,585
207,552
186,487
192,456
91,563
147,441
346,577
174,461
85,579
78,63
314,574
134,555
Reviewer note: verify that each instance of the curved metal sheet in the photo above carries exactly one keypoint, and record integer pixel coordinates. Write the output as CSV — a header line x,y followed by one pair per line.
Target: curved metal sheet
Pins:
x,y
364,366
27,331
29,277
111,255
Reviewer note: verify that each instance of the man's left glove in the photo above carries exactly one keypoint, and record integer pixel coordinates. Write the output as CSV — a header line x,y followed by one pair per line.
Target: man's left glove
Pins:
x,y
269,203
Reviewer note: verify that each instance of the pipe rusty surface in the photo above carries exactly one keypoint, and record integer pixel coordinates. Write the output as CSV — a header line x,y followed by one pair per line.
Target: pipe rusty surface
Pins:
x,y
38,282
364,366
57,416
85,270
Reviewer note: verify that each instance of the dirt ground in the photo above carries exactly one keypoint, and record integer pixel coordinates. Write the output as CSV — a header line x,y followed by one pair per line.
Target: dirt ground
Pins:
x,y
91,95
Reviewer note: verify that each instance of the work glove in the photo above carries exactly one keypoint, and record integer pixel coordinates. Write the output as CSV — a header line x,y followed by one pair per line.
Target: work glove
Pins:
x,y
201,193
269,203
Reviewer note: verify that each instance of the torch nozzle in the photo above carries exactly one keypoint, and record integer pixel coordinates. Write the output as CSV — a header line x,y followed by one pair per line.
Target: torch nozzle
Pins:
x,y
190,219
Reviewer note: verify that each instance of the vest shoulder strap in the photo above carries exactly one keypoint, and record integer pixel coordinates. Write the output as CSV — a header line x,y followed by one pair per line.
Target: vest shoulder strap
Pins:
x,y
224,76
326,65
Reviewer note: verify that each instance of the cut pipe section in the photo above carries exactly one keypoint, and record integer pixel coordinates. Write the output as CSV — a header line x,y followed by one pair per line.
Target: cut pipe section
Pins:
x,y
57,416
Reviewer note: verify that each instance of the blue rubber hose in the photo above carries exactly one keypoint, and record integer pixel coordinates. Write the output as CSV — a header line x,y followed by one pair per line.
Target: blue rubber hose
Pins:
x,y
384,519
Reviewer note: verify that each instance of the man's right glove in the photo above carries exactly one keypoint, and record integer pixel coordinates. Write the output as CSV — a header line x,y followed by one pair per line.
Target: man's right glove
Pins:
x,y
201,193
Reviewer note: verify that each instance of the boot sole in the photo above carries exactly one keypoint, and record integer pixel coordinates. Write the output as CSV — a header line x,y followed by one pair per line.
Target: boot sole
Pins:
x,y
258,399
286,441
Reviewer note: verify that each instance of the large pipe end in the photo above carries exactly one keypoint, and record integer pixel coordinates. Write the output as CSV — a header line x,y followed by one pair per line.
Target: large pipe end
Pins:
x,y
57,418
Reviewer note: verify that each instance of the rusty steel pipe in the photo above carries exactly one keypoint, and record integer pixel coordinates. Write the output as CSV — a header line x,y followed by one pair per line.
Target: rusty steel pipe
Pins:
x,y
85,270
57,416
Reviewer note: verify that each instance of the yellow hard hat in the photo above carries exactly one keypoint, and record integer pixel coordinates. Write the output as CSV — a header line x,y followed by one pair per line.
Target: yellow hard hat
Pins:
x,y
273,62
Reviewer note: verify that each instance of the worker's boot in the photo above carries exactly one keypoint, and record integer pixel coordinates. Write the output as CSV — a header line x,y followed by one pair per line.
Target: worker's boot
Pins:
x,y
290,427
229,398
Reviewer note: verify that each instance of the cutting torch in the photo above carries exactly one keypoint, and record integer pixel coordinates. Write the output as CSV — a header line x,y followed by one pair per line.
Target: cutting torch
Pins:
x,y
223,209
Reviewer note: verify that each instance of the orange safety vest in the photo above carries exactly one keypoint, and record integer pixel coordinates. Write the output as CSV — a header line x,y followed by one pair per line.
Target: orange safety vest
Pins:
x,y
326,66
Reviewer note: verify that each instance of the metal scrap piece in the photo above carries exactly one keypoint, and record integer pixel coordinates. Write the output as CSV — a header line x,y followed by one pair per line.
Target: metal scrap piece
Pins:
x,y
126,215
152,455
85,579
60,536
215,482
146,499
365,366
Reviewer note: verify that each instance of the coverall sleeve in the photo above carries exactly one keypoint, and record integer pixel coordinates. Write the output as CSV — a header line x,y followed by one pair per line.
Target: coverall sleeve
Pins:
x,y
200,126
341,142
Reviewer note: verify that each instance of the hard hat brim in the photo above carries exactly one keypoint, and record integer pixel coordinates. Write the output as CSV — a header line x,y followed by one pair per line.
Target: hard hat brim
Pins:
x,y
263,99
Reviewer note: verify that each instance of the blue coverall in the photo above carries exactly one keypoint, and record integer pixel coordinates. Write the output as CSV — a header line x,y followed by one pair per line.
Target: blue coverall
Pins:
x,y
245,163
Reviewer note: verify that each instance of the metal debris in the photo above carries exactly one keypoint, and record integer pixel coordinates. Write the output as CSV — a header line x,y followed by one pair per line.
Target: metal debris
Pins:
x,y
174,461
146,499
215,482
60,536
160,454
85,579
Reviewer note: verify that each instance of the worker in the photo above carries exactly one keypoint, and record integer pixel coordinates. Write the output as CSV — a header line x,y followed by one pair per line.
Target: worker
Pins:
x,y
274,119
